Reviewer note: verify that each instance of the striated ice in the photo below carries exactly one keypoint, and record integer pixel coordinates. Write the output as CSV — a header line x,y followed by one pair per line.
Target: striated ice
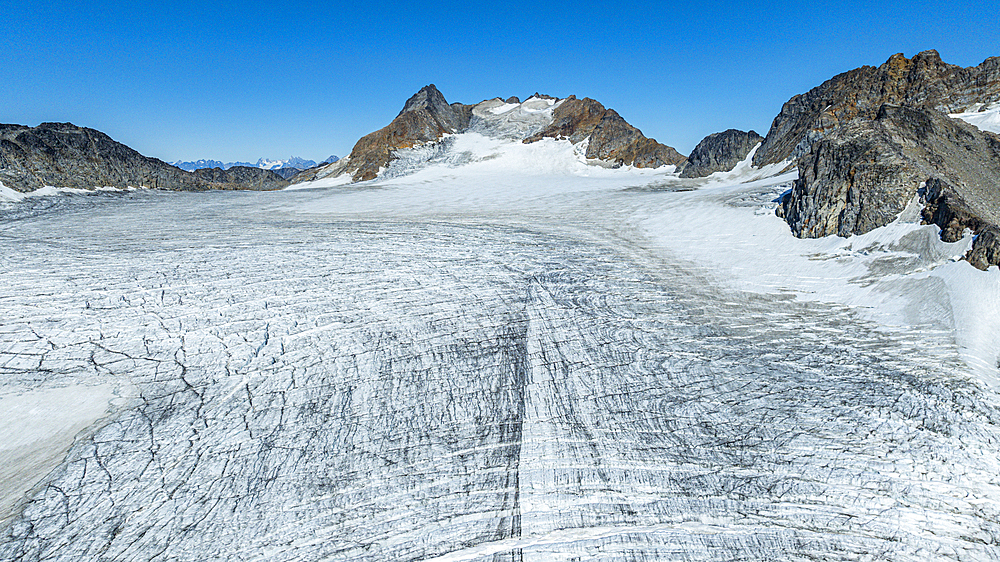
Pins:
x,y
506,371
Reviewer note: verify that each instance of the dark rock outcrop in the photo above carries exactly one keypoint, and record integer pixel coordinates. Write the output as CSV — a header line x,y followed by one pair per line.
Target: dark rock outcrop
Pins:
x,y
923,81
863,175
64,155
720,152
611,137
985,248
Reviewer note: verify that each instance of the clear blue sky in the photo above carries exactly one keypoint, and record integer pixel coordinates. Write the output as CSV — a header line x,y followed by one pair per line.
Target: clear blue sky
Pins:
x,y
237,81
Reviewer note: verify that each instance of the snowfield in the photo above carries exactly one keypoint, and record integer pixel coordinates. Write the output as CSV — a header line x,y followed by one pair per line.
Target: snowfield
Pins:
x,y
986,118
497,352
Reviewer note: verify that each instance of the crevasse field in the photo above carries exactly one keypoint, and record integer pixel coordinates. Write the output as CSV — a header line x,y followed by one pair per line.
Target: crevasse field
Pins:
x,y
498,352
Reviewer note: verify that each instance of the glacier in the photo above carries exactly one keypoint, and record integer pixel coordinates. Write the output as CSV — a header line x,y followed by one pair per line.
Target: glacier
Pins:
x,y
496,352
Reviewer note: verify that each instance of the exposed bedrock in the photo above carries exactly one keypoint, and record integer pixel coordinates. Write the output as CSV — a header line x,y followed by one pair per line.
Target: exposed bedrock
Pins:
x,y
65,155
427,116
611,137
923,81
720,152
863,175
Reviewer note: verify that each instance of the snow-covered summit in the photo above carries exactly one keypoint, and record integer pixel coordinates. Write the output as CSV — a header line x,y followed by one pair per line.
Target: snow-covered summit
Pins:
x,y
262,163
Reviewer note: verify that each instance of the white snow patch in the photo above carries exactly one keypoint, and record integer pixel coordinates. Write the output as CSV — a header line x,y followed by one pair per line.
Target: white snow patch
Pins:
x,y
975,299
329,181
51,191
986,120
503,108
745,171
493,174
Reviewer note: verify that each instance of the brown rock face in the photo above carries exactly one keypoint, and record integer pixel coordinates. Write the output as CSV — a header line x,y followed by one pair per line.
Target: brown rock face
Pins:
x,y
863,175
611,137
425,117
64,155
923,81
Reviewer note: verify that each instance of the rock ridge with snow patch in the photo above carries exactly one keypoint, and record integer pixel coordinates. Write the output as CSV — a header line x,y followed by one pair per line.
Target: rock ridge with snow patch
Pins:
x,y
427,117
862,177
922,81
720,152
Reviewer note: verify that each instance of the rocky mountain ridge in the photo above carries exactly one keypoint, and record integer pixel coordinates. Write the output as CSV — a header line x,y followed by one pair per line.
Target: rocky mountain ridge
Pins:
x,y
64,155
427,117
922,81
859,168
610,137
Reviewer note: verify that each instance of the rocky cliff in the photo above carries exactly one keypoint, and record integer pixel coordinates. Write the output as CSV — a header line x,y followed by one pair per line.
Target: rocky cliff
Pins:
x,y
427,116
923,81
64,155
611,138
720,152
862,175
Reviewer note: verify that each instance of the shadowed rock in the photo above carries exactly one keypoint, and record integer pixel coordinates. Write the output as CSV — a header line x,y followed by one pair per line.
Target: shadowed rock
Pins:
x,y
863,175
923,81
64,155
288,173
720,152
425,117
243,177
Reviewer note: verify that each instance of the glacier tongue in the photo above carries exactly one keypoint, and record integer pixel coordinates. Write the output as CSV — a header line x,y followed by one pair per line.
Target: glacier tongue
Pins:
x,y
496,385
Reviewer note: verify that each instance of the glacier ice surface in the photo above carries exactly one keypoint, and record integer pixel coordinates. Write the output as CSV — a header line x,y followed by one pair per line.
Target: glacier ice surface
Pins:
x,y
568,364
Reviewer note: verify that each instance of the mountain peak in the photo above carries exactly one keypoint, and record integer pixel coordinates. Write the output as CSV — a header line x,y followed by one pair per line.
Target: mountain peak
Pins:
x,y
429,97
930,55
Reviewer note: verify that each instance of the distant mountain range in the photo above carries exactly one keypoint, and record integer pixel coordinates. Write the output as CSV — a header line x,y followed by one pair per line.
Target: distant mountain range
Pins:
x,y
263,163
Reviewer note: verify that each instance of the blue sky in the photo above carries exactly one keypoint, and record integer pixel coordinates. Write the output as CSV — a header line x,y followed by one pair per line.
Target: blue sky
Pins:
x,y
237,81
